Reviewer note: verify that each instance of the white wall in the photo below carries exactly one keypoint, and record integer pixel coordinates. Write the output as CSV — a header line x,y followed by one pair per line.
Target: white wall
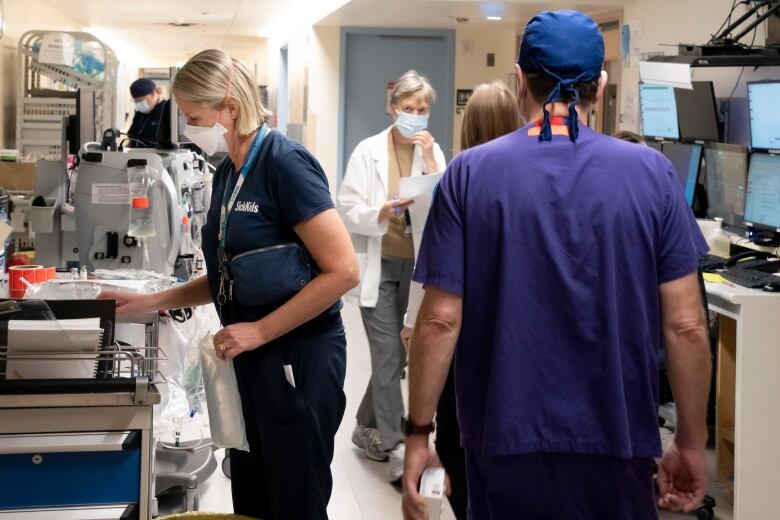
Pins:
x,y
673,22
323,116
20,17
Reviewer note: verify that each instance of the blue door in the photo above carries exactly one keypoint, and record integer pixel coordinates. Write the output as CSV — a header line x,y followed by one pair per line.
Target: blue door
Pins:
x,y
372,58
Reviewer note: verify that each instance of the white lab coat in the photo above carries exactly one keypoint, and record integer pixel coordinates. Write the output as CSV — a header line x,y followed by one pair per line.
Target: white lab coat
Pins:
x,y
362,194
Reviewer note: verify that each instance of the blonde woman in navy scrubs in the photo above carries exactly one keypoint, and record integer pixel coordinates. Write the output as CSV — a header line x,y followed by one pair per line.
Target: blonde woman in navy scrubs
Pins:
x,y
279,260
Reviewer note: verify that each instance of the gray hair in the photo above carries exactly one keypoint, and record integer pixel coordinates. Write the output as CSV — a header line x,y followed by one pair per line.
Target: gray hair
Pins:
x,y
410,84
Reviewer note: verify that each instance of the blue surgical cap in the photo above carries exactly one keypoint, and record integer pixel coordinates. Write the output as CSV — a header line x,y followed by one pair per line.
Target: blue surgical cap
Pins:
x,y
568,47
142,87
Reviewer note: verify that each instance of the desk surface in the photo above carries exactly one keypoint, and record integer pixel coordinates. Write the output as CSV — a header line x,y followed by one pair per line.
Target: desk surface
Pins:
x,y
737,294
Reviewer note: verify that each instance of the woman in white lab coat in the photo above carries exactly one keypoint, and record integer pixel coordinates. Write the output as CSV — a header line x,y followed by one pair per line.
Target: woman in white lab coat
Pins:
x,y
380,226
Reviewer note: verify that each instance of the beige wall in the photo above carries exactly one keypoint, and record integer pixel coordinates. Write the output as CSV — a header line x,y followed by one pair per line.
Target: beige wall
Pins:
x,y
689,21
20,17
319,51
473,43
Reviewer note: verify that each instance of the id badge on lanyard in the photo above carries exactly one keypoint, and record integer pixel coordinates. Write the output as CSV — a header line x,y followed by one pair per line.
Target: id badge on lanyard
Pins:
x,y
226,279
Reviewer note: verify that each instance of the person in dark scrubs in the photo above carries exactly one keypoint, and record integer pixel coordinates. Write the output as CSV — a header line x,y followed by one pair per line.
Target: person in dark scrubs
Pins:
x,y
562,273
278,261
151,127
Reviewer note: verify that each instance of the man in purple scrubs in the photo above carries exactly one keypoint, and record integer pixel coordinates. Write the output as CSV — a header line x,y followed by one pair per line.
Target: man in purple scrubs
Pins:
x,y
555,258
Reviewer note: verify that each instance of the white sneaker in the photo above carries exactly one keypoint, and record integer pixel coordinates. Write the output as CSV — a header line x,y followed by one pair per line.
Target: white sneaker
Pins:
x,y
369,440
396,462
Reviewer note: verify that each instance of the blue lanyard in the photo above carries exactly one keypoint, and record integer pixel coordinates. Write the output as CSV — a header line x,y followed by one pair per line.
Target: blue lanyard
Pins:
x,y
227,204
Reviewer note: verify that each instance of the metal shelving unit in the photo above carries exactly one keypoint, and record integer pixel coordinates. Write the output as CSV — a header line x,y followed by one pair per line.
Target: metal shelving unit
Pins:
x,y
40,108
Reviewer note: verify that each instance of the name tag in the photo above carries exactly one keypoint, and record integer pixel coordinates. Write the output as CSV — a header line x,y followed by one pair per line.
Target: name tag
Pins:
x,y
247,207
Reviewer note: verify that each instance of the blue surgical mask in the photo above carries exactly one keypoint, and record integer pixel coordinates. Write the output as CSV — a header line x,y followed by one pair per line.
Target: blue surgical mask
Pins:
x,y
410,124
143,106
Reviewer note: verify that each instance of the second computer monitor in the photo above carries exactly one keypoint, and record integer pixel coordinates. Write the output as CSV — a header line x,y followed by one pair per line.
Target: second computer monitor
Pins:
x,y
659,112
764,109
762,204
726,167
686,159
697,112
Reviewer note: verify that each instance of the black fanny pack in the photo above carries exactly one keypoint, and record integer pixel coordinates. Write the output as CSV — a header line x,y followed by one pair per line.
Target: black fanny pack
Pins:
x,y
270,274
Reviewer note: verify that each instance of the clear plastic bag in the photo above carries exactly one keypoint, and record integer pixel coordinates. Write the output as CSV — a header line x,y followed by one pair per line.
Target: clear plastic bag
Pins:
x,y
226,418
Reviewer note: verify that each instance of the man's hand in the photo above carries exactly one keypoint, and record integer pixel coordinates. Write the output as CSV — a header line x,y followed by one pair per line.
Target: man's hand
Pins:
x,y
393,207
682,478
419,456
406,338
241,337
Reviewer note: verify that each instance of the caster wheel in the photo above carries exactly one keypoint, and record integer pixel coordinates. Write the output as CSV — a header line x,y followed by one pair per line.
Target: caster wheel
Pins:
x,y
704,513
226,464
708,502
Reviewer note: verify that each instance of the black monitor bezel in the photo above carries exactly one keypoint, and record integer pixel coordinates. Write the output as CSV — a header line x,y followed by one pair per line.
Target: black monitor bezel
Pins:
x,y
658,138
699,167
759,226
694,140
750,121
737,148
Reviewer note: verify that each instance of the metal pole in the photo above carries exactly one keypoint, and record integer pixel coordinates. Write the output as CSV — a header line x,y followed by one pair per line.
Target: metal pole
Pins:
x,y
772,10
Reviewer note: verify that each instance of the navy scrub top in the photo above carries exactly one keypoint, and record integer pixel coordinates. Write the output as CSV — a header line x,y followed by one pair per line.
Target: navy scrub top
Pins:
x,y
152,129
285,187
558,249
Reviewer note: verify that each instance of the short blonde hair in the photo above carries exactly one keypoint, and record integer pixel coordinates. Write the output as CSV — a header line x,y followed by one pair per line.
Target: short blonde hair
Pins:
x,y
211,76
410,84
492,111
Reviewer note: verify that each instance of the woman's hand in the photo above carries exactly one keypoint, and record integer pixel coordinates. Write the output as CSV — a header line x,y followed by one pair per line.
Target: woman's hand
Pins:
x,y
130,303
406,338
393,207
426,141
241,337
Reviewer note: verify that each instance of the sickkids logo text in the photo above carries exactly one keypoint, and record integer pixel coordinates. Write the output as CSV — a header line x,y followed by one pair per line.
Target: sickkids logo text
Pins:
x,y
247,207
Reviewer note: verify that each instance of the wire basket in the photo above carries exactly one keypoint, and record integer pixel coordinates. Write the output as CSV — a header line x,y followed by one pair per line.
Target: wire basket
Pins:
x,y
115,362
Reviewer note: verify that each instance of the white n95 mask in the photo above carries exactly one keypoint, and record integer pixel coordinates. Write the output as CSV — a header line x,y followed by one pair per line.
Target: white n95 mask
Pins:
x,y
209,139
410,124
143,106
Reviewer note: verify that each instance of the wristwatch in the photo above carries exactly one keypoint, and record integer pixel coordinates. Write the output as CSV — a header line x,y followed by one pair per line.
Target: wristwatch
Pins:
x,y
414,429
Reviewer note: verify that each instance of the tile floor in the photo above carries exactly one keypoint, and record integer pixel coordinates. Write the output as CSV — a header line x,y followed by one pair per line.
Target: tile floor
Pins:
x,y
360,490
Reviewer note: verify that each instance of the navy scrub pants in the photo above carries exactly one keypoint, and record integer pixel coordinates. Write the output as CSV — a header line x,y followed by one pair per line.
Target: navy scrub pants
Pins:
x,y
548,486
286,474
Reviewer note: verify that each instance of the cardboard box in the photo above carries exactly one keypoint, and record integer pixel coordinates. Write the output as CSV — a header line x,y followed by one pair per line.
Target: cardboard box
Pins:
x,y
17,176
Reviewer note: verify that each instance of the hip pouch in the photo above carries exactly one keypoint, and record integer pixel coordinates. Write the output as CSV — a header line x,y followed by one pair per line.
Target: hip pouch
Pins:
x,y
271,274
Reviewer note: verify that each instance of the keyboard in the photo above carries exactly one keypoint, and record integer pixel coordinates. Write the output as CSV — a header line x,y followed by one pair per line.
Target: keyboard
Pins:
x,y
711,263
748,278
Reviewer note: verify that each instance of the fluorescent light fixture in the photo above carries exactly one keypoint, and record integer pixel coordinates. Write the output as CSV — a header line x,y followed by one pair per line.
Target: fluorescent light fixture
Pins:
x,y
494,18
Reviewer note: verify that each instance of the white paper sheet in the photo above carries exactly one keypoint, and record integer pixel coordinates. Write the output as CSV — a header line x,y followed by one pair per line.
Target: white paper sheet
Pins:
x,y
79,339
420,189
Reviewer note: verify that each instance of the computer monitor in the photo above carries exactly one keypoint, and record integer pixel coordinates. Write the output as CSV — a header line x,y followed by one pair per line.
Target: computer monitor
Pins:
x,y
726,168
762,203
764,110
697,113
81,125
686,159
655,145
659,112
